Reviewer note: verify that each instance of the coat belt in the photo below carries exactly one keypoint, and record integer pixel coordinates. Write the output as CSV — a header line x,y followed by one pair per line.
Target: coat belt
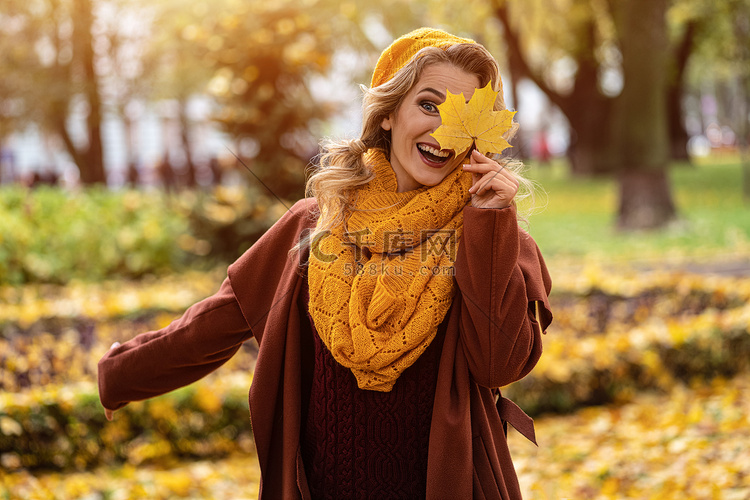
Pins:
x,y
510,412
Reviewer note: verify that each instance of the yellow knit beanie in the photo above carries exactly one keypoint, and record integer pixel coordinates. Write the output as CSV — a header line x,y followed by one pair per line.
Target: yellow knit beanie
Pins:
x,y
402,50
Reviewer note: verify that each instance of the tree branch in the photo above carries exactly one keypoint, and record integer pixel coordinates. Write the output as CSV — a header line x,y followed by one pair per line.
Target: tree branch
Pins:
x,y
70,147
684,49
58,126
512,39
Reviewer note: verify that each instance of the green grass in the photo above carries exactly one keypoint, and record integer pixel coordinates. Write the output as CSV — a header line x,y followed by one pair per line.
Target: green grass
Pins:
x,y
575,218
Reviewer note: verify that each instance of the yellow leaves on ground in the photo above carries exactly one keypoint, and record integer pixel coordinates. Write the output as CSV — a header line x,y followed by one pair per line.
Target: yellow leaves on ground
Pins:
x,y
207,399
473,123
615,336
691,443
563,357
628,282
52,335
63,427
236,477
105,300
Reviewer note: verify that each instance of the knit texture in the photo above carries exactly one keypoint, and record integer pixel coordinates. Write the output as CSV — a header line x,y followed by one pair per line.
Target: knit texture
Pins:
x,y
380,287
403,49
366,444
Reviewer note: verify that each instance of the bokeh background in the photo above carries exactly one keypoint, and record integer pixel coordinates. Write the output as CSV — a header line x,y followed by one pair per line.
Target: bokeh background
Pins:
x,y
146,145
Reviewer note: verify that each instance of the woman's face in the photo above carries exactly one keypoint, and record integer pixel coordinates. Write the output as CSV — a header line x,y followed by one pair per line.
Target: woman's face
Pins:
x,y
416,157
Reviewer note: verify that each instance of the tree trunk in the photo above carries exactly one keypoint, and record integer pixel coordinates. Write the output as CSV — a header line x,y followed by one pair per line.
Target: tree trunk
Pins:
x,y
678,136
742,34
516,75
585,107
645,199
92,160
641,124
130,141
591,151
587,110
746,175
518,150
745,143
190,176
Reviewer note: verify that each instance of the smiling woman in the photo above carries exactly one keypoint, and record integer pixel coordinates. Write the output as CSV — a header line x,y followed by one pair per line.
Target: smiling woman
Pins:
x,y
389,307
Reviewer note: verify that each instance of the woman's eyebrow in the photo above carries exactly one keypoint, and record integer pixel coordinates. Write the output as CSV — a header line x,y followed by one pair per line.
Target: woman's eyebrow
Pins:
x,y
433,91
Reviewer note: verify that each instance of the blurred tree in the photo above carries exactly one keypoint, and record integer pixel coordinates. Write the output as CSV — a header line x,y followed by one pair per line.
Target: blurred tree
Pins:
x,y
67,58
89,158
127,67
51,68
14,63
722,73
742,35
566,64
260,61
684,46
716,81
584,55
619,80
639,119
587,55
178,73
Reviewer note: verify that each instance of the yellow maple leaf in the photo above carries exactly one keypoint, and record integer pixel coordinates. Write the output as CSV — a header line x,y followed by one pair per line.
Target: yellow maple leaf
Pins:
x,y
473,123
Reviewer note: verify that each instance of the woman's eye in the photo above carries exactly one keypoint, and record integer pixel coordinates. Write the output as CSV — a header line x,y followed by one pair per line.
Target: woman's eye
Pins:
x,y
428,106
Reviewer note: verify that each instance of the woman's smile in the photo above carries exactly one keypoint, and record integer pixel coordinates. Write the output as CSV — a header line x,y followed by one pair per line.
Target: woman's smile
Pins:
x,y
433,156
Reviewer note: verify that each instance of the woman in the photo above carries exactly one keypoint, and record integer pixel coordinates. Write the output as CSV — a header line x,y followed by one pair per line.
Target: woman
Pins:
x,y
388,308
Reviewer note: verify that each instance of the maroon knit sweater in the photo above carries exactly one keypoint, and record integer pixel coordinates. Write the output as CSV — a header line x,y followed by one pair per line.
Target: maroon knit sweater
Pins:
x,y
365,444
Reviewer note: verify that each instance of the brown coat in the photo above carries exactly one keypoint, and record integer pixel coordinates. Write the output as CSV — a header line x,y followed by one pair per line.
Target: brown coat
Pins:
x,y
492,339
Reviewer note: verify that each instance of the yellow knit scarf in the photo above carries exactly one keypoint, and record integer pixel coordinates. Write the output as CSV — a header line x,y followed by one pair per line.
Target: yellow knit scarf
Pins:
x,y
380,288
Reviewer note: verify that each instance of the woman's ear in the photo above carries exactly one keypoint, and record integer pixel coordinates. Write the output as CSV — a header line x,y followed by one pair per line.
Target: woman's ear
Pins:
x,y
386,123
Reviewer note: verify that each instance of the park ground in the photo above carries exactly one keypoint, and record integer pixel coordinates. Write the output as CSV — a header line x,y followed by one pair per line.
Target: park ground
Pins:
x,y
643,390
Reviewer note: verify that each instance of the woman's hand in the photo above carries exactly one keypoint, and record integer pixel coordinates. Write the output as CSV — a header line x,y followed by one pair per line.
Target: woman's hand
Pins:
x,y
107,412
493,186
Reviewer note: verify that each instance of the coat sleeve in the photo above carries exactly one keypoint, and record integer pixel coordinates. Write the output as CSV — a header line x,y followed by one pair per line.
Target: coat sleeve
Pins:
x,y
205,337
503,288
211,331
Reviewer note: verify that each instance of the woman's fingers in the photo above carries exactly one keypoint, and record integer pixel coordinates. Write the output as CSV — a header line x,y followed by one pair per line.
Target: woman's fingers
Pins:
x,y
493,185
480,164
107,412
492,181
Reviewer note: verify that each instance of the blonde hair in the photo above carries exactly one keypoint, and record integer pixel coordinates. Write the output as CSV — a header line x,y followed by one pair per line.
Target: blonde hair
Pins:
x,y
342,169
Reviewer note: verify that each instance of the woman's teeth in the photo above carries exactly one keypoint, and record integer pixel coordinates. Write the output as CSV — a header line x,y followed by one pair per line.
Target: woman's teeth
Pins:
x,y
435,152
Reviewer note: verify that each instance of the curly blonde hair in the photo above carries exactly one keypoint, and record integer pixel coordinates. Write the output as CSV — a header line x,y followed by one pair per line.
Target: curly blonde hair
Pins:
x,y
342,169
